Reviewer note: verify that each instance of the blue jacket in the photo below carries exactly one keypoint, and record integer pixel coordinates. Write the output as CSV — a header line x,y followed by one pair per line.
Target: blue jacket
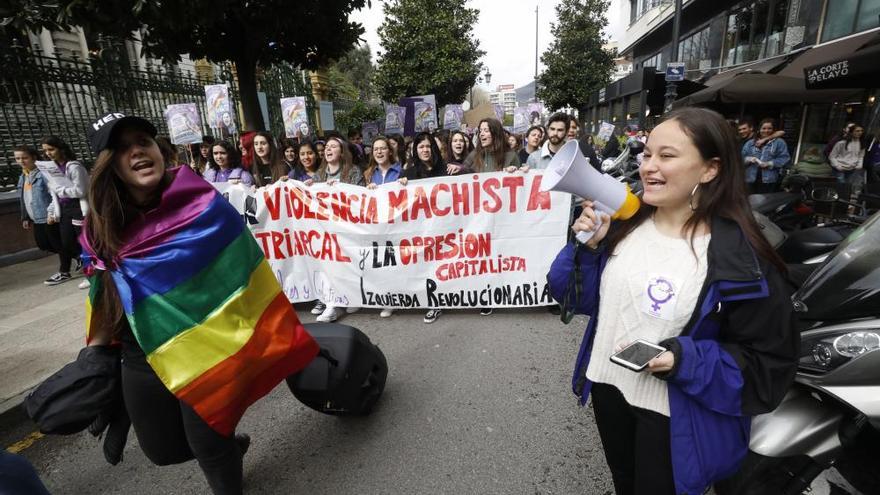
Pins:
x,y
775,152
41,197
735,358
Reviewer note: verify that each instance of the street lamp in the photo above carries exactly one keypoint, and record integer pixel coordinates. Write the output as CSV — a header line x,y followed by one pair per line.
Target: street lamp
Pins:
x,y
479,79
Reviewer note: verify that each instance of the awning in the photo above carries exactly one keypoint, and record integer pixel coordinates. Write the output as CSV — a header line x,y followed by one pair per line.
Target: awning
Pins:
x,y
762,67
857,70
832,50
763,88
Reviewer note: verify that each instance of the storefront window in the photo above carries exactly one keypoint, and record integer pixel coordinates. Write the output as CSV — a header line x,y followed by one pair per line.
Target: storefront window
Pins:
x,y
845,17
775,38
869,15
694,50
730,41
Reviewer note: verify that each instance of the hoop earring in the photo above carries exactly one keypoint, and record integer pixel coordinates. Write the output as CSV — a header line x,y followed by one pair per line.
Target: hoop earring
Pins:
x,y
691,199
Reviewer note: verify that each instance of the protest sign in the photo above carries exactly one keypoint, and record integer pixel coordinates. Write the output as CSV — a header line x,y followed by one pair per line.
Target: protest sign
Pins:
x,y
184,125
425,114
451,242
499,111
395,116
219,109
536,113
605,131
295,116
369,131
452,116
520,120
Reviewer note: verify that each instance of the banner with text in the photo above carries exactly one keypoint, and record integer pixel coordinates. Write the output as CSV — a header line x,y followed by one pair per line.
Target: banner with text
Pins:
x,y
455,242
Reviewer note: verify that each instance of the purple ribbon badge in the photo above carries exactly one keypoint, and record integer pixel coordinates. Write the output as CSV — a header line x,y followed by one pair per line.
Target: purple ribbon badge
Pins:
x,y
660,291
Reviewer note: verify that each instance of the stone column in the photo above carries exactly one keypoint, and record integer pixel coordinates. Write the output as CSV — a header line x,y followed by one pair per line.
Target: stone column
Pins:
x,y
320,92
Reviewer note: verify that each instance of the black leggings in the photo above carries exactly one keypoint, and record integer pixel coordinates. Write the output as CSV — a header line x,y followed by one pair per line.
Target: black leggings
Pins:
x,y
69,227
170,432
636,444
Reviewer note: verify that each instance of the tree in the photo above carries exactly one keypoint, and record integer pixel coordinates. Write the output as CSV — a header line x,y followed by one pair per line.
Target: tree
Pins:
x,y
249,33
354,118
351,77
429,48
576,65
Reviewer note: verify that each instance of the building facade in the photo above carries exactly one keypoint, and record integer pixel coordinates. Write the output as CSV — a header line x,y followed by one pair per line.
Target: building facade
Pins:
x,y
720,39
504,95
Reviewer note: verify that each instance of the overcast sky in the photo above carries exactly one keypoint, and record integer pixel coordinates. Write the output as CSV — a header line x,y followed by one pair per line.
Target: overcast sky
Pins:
x,y
506,31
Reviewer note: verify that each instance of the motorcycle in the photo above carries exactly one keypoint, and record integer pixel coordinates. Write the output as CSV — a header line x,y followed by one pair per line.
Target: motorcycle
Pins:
x,y
831,415
625,167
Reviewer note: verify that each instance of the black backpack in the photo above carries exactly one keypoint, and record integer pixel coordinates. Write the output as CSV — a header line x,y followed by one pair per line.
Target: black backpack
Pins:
x,y
348,375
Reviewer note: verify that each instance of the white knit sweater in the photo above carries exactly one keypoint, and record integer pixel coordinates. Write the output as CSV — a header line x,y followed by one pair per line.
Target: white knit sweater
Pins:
x,y
649,289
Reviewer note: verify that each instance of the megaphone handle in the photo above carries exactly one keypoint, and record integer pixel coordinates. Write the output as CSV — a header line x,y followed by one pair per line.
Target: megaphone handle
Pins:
x,y
585,235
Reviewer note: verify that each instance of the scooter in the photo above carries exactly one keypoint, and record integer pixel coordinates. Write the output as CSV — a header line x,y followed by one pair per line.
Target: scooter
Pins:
x,y
831,414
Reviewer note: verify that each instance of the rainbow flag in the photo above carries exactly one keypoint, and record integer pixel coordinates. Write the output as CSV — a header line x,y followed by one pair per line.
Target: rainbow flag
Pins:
x,y
203,303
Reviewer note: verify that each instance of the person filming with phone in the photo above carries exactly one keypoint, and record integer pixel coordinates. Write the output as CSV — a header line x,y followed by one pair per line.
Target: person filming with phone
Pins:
x,y
690,331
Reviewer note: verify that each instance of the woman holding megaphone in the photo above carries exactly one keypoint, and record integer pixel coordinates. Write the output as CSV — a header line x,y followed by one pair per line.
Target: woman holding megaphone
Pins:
x,y
690,332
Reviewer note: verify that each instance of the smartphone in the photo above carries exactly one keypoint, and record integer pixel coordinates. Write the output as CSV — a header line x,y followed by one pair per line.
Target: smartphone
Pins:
x,y
636,355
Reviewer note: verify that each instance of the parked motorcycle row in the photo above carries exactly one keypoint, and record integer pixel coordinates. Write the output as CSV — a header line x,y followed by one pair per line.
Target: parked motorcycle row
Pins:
x,y
831,415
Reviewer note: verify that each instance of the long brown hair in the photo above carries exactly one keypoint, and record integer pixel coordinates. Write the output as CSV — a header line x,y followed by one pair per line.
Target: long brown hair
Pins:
x,y
345,159
110,209
277,167
724,196
498,148
368,173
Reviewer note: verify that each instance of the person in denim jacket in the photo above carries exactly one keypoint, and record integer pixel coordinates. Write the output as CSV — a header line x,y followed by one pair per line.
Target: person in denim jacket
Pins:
x,y
770,159
36,200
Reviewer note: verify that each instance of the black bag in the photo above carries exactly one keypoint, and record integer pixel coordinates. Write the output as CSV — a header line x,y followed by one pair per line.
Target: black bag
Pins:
x,y
68,401
348,375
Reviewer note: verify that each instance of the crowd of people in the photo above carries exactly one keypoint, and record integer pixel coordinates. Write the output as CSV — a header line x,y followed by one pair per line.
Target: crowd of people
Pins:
x,y
693,222
849,157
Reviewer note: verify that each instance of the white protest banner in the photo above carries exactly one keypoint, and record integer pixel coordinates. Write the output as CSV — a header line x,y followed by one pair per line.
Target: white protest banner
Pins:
x,y
54,175
455,242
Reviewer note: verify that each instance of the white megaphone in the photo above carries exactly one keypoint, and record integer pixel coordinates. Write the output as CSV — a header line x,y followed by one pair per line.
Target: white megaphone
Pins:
x,y
570,172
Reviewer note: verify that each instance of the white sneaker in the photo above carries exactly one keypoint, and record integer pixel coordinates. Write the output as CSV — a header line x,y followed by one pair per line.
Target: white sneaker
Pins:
x,y
386,313
319,308
84,284
352,310
330,314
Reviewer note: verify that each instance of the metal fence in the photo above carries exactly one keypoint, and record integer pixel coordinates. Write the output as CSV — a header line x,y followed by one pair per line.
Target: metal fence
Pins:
x,y
52,95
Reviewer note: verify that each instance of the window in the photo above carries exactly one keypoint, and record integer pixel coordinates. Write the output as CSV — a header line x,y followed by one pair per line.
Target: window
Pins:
x,y
758,29
638,8
845,17
655,60
694,50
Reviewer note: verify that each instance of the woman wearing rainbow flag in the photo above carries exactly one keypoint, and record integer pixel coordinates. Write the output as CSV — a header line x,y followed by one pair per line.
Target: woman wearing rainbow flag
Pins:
x,y
179,281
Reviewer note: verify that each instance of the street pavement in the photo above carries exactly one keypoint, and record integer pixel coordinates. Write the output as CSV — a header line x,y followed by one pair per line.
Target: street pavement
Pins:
x,y
473,404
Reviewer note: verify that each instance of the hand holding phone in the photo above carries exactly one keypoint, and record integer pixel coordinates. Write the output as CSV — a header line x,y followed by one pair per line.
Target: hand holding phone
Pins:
x,y
637,355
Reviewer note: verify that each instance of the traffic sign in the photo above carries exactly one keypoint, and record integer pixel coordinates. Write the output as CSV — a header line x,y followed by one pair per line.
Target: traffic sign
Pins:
x,y
675,71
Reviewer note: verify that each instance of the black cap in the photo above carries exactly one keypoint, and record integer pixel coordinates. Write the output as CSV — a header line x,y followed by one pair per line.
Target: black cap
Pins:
x,y
100,132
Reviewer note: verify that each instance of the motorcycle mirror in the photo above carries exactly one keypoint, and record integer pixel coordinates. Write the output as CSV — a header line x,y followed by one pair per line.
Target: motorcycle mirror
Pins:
x,y
825,194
